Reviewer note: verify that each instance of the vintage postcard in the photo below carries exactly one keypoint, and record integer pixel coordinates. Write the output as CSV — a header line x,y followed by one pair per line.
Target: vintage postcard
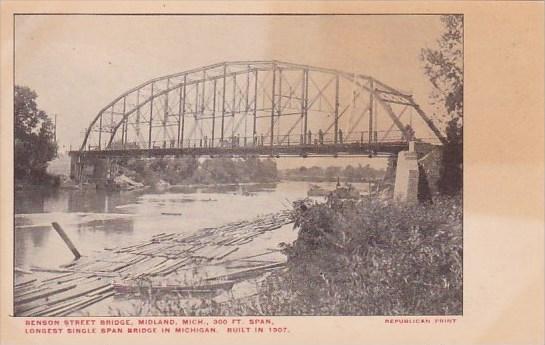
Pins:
x,y
267,172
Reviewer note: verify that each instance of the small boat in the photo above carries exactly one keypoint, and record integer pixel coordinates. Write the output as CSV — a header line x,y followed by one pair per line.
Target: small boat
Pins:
x,y
346,192
316,190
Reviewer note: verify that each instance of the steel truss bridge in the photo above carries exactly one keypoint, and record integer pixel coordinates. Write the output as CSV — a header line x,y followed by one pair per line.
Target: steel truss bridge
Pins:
x,y
257,108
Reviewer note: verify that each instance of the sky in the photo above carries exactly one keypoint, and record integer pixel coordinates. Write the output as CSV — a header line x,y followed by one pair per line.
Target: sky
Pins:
x,y
78,64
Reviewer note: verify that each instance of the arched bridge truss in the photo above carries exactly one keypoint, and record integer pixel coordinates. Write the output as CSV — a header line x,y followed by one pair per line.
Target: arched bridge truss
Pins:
x,y
257,107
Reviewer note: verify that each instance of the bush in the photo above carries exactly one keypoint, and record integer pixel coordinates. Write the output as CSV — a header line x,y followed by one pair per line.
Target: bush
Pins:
x,y
371,258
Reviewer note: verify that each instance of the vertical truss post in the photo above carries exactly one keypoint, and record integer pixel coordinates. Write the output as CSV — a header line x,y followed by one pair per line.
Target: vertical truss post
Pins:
x,y
233,107
255,110
183,112
203,91
336,108
165,115
223,102
213,114
100,133
279,106
150,117
196,100
371,100
246,106
273,101
196,111
124,128
304,105
138,116
111,122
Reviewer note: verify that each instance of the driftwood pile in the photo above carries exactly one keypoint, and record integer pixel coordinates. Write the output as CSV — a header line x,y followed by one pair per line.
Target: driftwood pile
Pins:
x,y
209,260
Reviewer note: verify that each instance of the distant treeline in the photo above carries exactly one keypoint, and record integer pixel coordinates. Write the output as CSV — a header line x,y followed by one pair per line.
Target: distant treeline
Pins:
x,y
350,173
189,170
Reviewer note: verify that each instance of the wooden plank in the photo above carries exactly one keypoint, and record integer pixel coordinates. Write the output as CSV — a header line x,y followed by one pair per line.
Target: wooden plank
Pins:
x,y
25,283
42,294
168,270
229,251
64,296
245,273
85,303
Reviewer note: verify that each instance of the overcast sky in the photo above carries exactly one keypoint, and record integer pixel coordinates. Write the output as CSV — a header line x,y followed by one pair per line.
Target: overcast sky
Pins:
x,y
78,64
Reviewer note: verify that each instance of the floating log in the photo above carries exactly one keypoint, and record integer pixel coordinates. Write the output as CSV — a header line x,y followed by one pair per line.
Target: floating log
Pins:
x,y
66,240
233,276
22,270
80,305
81,290
41,294
24,283
129,287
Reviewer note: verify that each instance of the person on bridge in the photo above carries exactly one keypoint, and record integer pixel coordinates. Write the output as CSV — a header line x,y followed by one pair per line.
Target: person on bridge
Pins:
x,y
340,136
309,137
410,132
321,136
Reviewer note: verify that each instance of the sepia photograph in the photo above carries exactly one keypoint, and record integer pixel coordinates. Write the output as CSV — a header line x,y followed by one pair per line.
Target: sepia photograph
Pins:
x,y
238,165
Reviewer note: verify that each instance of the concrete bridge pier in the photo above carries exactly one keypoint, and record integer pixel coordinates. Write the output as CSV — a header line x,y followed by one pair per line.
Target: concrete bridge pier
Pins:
x,y
417,172
76,166
407,174
97,170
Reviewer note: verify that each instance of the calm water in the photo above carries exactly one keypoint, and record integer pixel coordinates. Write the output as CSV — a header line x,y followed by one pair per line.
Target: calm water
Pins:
x,y
95,220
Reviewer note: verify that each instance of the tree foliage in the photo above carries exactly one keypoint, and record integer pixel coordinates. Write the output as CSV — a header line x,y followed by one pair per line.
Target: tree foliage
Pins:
x,y
349,173
190,170
34,137
444,68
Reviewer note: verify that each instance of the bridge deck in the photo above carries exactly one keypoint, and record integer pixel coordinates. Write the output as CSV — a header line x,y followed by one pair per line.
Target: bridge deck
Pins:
x,y
275,150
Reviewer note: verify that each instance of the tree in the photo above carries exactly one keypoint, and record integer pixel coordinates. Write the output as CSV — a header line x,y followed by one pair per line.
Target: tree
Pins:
x,y
34,138
444,68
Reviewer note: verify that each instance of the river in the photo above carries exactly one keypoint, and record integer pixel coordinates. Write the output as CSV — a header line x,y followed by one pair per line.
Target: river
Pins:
x,y
95,220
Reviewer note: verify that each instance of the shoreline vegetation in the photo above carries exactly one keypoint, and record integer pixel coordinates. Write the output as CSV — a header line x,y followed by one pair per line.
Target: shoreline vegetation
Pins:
x,y
350,173
192,171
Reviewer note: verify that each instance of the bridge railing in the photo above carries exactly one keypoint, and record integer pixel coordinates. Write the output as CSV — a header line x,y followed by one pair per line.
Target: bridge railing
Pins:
x,y
261,140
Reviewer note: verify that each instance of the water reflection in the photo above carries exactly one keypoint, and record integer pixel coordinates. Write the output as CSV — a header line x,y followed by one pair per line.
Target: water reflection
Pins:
x,y
95,220
98,200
